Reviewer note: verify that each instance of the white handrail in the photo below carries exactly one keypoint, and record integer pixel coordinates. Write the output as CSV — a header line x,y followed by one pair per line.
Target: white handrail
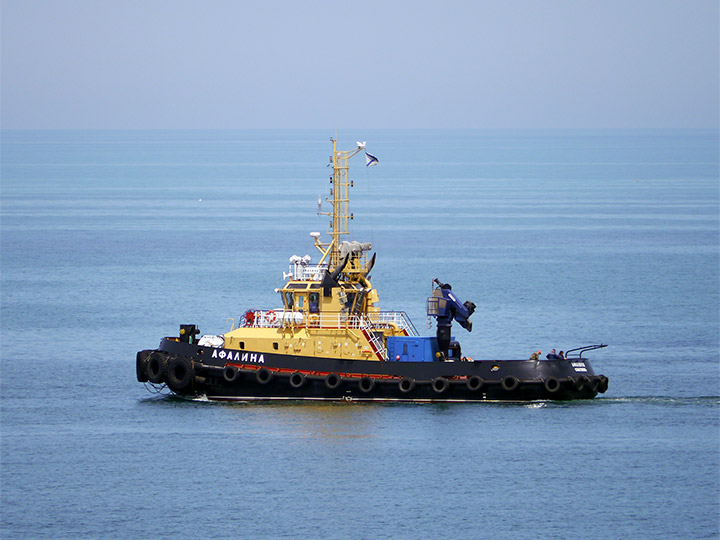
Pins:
x,y
307,273
276,318
376,341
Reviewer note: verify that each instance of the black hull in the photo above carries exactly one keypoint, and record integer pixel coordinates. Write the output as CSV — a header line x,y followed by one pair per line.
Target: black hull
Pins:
x,y
222,374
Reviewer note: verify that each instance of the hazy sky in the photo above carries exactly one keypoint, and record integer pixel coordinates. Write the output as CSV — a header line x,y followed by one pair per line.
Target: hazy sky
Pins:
x,y
365,64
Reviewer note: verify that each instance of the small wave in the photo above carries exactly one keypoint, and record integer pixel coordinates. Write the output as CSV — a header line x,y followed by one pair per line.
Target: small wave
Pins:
x,y
662,400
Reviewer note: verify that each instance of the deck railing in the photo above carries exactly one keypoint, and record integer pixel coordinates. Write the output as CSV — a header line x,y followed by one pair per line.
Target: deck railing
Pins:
x,y
305,272
277,318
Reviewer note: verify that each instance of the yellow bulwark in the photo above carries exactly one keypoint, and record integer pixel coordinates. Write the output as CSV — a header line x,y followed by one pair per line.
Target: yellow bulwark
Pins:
x,y
329,309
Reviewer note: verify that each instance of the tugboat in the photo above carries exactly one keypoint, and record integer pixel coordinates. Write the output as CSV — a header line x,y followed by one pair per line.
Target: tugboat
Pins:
x,y
329,340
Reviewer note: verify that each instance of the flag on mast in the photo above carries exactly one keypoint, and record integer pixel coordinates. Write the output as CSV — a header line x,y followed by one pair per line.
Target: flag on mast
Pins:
x,y
370,160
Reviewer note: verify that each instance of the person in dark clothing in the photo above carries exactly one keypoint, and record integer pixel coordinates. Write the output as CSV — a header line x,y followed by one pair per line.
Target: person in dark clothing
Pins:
x,y
552,355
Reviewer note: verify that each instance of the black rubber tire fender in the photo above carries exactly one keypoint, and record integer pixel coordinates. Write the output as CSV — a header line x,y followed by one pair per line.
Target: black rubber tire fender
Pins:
x,y
156,367
366,384
264,376
603,386
297,379
333,381
141,361
406,385
552,385
581,382
510,383
231,374
475,383
180,373
440,384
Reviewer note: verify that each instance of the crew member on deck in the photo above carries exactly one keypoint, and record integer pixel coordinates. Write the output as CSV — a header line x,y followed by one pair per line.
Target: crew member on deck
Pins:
x,y
314,301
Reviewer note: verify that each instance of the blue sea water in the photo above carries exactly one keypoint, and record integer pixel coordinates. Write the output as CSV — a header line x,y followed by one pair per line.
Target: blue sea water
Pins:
x,y
110,239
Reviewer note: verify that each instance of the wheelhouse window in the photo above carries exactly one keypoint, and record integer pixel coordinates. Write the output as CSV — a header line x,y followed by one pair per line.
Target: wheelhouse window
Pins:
x,y
289,300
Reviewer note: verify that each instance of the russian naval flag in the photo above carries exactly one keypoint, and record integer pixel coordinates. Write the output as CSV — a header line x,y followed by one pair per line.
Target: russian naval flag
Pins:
x,y
370,160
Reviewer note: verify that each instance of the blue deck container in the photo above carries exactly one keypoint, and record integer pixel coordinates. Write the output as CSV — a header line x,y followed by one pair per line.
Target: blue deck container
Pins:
x,y
412,349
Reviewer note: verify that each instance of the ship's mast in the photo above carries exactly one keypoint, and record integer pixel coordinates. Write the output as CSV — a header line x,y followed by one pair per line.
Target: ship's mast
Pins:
x,y
340,199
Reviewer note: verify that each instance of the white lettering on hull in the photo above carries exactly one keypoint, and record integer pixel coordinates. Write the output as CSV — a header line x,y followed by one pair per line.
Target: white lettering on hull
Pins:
x,y
234,356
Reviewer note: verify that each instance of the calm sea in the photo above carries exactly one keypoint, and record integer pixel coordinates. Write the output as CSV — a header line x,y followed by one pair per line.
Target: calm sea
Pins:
x,y
110,240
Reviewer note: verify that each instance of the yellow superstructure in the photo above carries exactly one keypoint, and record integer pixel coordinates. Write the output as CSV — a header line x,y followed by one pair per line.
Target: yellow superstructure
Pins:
x,y
329,309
